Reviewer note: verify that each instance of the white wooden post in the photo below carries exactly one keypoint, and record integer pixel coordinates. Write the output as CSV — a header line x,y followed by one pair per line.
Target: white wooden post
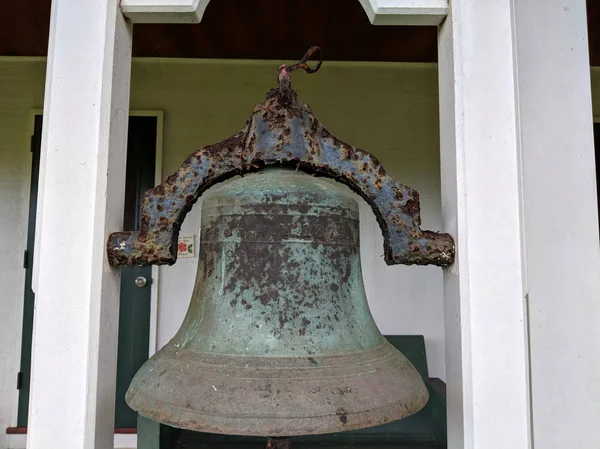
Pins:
x,y
82,187
486,322
522,315
560,222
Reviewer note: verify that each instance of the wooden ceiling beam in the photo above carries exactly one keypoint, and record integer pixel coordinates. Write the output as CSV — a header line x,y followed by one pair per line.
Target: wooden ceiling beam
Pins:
x,y
263,29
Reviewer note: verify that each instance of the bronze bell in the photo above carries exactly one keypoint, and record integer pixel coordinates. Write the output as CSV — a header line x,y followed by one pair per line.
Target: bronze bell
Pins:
x,y
278,339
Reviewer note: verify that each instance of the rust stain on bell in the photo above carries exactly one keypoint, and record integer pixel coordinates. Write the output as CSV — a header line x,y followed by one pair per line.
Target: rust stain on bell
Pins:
x,y
278,339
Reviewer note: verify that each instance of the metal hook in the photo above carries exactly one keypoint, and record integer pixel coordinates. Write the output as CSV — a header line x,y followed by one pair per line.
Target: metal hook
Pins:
x,y
284,70
303,63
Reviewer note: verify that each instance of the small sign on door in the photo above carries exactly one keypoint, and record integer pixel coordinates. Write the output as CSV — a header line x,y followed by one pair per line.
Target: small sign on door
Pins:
x,y
186,247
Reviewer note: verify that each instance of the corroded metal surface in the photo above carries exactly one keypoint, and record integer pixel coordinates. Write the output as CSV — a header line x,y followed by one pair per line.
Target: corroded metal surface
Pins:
x,y
281,131
278,339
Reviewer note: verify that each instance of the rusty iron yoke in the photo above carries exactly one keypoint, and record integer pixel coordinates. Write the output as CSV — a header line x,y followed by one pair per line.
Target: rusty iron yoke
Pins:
x,y
281,131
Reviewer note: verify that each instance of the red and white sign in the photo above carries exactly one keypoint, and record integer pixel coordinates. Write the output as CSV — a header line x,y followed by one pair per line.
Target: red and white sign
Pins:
x,y
186,246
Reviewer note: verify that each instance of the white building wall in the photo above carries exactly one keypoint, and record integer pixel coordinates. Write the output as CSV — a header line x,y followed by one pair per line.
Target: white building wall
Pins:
x,y
390,110
21,89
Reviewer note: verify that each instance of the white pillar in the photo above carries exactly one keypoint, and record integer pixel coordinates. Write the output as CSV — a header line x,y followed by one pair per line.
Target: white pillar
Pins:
x,y
82,185
560,222
486,323
522,315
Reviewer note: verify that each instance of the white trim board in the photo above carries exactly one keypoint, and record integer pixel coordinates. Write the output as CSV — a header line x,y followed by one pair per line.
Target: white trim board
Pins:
x,y
121,441
379,12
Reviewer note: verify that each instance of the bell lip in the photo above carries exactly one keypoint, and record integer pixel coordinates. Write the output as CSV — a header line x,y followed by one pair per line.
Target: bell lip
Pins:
x,y
376,381
316,425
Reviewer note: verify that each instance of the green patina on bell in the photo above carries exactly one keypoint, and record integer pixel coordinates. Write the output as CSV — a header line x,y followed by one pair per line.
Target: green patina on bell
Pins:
x,y
278,339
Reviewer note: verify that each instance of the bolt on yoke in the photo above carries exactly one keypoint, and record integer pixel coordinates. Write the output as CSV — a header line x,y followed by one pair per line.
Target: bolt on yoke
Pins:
x,y
281,131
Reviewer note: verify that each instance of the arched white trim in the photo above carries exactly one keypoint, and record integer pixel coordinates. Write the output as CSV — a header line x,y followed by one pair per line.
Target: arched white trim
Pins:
x,y
380,12
164,11
405,12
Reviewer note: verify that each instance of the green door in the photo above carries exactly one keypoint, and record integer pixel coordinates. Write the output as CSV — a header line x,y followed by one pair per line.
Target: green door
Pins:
x,y
29,297
597,149
134,311
134,314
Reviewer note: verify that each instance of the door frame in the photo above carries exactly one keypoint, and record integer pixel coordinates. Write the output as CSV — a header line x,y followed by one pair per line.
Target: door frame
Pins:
x,y
596,121
159,114
154,287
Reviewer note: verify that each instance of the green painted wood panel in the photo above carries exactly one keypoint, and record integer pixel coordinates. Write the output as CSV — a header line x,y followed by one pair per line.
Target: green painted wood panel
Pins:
x,y
134,310
29,296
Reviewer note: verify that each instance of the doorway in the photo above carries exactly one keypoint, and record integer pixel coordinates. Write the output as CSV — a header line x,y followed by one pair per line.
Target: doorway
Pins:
x,y
135,301
597,150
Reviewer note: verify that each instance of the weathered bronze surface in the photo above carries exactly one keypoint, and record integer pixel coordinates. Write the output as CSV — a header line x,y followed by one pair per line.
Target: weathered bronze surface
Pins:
x,y
281,131
278,339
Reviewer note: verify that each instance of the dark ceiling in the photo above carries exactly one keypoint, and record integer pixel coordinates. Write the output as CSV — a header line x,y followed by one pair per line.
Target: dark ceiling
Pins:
x,y
259,29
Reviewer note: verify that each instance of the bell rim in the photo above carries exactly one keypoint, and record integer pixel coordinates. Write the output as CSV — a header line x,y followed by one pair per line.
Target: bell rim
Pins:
x,y
327,413
304,426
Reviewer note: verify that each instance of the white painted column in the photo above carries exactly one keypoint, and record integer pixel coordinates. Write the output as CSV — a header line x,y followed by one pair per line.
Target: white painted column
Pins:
x,y
487,353
560,222
522,301
82,187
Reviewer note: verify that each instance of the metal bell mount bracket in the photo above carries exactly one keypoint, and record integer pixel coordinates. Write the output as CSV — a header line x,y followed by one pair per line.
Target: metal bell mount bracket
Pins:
x,y
281,131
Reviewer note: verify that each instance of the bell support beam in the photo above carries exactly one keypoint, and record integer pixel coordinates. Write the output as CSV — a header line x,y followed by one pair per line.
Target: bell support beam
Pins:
x,y
518,195
380,12
82,183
